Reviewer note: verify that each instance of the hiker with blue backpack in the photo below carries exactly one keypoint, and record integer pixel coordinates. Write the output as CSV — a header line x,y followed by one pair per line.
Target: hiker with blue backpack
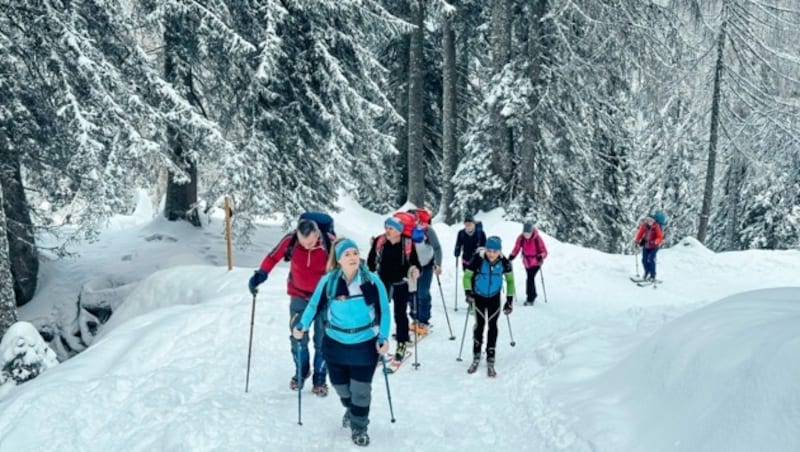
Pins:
x,y
649,237
306,250
355,307
429,252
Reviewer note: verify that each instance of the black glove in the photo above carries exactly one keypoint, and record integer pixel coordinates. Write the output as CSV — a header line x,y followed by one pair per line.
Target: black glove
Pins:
x,y
469,296
259,276
512,257
509,305
457,253
539,257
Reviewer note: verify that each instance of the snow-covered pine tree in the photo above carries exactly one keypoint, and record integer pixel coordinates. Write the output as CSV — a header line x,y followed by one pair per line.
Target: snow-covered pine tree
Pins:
x,y
82,116
752,76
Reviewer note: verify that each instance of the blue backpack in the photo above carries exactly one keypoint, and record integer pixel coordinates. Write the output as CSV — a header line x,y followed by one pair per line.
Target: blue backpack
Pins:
x,y
660,217
325,224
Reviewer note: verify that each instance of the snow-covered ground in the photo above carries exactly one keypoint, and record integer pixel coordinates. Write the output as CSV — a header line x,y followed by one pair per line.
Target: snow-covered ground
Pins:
x,y
708,361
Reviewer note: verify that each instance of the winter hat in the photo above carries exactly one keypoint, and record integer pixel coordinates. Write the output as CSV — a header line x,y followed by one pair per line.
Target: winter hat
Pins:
x,y
393,222
527,227
469,218
494,243
343,246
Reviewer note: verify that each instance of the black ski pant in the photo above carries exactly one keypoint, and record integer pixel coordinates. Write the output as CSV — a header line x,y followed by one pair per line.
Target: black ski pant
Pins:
x,y
398,295
530,283
487,310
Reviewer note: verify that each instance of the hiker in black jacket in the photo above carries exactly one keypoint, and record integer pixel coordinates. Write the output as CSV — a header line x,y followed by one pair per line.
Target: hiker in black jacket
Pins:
x,y
469,240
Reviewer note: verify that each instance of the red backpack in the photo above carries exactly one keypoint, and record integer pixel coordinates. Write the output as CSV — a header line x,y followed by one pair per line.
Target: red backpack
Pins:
x,y
423,215
409,222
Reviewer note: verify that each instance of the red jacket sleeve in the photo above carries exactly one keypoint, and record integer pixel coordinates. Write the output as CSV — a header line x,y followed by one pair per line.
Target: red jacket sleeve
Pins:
x,y
276,255
517,246
542,248
639,233
659,235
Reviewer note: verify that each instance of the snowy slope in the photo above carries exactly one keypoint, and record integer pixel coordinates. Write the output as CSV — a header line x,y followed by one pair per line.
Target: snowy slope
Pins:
x,y
605,365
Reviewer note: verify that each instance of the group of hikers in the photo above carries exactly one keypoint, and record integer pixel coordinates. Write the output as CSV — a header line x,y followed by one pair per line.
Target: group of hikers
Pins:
x,y
346,297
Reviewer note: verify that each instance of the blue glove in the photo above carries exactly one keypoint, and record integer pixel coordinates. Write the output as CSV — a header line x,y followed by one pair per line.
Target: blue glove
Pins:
x,y
259,276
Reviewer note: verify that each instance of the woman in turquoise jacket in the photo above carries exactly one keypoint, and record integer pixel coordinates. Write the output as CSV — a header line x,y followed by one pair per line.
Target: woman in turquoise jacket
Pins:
x,y
355,308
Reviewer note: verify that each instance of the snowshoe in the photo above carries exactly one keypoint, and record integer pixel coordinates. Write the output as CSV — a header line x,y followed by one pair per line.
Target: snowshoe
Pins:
x,y
474,366
294,385
320,390
361,438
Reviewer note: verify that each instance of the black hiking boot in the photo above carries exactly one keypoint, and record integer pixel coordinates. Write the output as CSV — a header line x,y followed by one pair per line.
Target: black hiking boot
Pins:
x,y
474,366
490,372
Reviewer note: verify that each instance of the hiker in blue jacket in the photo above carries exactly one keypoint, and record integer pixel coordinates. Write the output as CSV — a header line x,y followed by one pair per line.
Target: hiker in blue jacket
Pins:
x,y
483,282
355,306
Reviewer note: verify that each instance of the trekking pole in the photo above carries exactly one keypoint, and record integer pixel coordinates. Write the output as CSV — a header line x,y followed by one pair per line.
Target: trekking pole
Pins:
x,y
464,334
636,261
455,297
299,387
416,337
250,345
444,306
544,289
510,333
388,392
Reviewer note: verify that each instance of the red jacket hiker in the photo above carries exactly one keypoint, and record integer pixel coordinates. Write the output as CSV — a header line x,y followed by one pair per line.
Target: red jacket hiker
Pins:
x,y
533,250
306,266
650,236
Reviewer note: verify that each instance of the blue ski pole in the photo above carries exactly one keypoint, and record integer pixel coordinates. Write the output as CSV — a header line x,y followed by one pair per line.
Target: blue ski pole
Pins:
x,y
299,387
388,392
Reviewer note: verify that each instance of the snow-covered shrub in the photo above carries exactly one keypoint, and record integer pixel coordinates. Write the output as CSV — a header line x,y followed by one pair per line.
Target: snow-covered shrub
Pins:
x,y
24,354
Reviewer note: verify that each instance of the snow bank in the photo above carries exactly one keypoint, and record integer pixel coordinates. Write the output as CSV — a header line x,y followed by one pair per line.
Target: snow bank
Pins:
x,y
186,285
723,377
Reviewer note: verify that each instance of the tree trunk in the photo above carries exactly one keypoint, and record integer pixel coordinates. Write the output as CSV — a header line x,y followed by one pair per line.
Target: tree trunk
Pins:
x,y
401,168
22,254
708,195
737,171
501,54
532,147
181,196
449,149
8,309
416,169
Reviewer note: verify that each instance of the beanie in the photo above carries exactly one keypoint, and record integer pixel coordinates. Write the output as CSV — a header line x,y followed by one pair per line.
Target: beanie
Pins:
x,y
343,246
494,243
393,222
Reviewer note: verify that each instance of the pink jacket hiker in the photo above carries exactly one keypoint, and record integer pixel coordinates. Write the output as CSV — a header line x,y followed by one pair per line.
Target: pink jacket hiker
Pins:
x,y
530,249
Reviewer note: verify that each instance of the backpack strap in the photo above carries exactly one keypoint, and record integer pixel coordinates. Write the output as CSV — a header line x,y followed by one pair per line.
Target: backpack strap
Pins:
x,y
379,251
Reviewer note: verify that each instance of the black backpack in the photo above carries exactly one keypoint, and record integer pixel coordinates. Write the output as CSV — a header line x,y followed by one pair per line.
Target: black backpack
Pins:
x,y
324,223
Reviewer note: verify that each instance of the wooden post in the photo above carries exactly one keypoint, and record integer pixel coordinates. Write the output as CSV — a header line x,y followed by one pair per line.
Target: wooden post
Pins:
x,y
228,232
